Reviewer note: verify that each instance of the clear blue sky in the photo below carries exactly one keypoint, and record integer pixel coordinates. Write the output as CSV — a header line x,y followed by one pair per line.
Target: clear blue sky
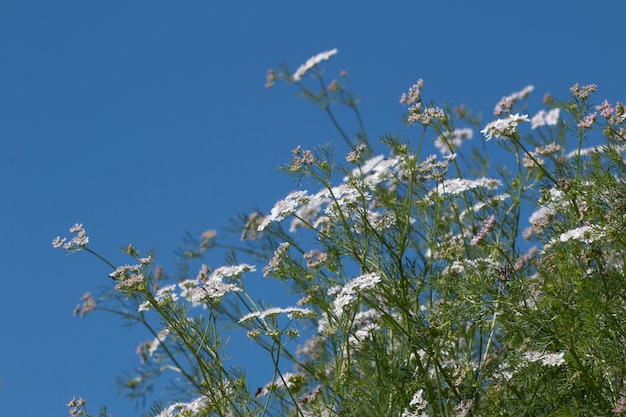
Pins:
x,y
147,119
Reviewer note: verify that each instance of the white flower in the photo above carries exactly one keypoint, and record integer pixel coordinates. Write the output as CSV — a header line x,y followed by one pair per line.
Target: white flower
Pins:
x,y
542,216
548,359
145,261
543,118
364,323
232,270
291,312
284,208
552,118
553,359
485,203
81,239
456,186
533,356
157,341
504,127
343,198
210,285
381,220
166,292
312,62
286,379
58,243
308,213
374,171
347,293
77,228
179,409
505,105
586,234
279,253
454,138
213,288
418,400
124,271
418,403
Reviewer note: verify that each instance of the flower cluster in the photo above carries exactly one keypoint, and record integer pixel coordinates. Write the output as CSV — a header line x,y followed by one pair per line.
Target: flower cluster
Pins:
x,y
543,118
78,242
312,63
505,127
347,293
448,143
506,104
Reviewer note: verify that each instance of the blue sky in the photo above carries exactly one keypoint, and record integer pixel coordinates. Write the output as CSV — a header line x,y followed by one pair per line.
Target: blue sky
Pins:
x,y
146,120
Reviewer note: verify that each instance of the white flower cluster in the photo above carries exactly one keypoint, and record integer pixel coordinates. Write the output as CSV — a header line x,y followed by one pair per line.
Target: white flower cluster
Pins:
x,y
78,242
350,199
312,63
191,408
364,323
285,208
348,293
547,359
287,379
585,234
543,118
456,186
417,404
504,127
205,287
292,312
506,103
453,140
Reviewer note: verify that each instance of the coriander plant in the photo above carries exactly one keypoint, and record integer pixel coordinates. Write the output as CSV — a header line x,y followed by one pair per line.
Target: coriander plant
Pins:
x,y
421,285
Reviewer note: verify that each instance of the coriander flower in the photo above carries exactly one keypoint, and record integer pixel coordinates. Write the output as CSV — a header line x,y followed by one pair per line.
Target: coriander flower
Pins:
x,y
417,404
547,359
344,198
363,325
160,338
315,258
286,379
232,271
162,296
307,214
352,287
374,171
378,221
506,104
312,63
456,186
414,95
285,208
279,253
454,138
292,312
588,121
583,92
212,289
543,118
553,359
424,116
191,408
504,127
585,234
78,242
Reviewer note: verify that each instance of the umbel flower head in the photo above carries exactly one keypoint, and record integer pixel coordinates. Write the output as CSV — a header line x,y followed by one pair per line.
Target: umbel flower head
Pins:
x,y
312,63
504,127
78,242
